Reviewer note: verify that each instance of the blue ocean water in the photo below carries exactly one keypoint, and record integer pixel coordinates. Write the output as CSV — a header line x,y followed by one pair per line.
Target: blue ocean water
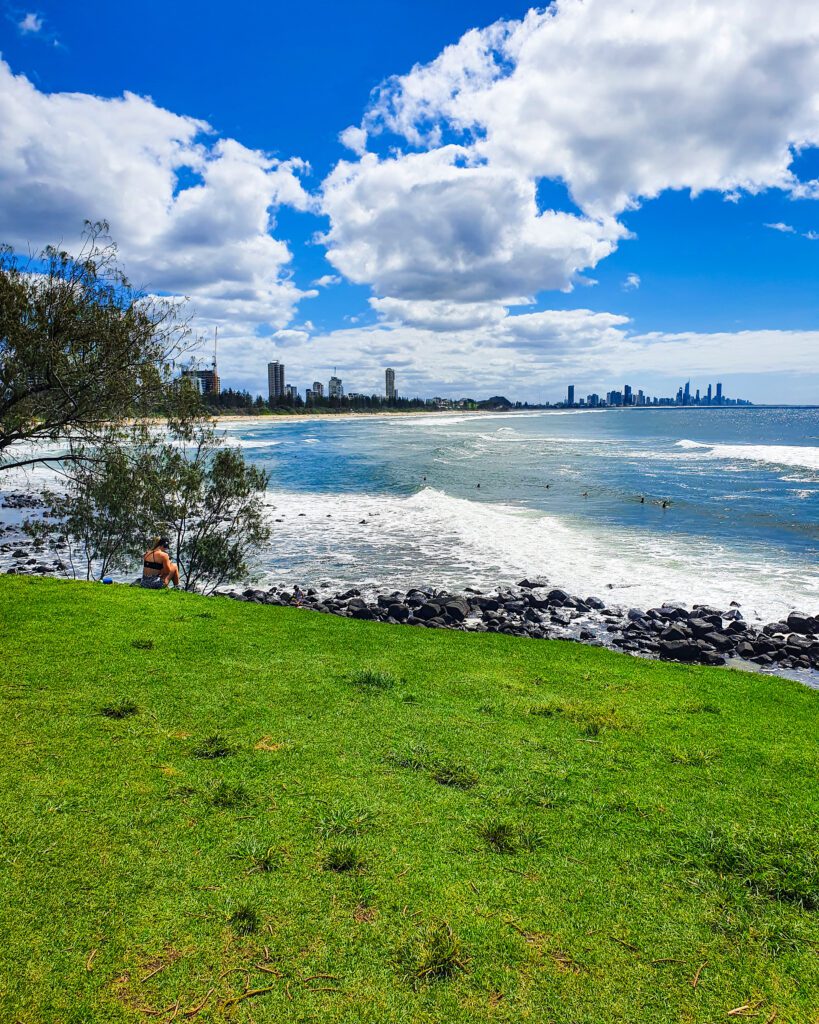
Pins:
x,y
482,499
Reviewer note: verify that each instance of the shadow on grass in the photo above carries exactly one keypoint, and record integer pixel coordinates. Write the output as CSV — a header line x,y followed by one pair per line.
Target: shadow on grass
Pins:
x,y
445,772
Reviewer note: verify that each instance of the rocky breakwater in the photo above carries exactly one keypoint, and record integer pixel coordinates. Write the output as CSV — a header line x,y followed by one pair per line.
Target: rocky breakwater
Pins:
x,y
671,632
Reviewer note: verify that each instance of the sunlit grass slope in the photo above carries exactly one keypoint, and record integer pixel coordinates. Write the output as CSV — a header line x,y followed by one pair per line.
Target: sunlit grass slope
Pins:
x,y
216,811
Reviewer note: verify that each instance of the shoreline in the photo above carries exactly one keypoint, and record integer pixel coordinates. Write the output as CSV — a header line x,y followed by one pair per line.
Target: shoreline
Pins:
x,y
533,608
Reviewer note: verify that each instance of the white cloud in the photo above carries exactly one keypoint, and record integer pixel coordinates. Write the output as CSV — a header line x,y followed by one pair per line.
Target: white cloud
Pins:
x,y
618,99
786,229
622,99
631,283
427,226
354,138
811,235
531,354
439,315
326,281
30,24
191,213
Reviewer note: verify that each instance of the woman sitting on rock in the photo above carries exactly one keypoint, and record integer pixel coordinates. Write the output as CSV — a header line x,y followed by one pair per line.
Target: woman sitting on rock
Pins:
x,y
157,568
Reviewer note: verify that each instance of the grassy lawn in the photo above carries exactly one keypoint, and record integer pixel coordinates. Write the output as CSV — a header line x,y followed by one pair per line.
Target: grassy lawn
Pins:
x,y
286,816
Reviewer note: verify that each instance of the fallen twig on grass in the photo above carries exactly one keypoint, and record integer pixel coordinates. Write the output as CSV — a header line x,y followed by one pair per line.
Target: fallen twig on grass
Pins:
x,y
696,978
743,1011
192,1012
89,963
628,945
267,970
151,974
246,995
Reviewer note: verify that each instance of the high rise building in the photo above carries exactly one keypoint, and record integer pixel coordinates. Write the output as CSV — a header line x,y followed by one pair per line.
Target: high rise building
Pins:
x,y
275,380
719,393
318,389
708,398
336,388
687,393
628,397
206,382
389,389
570,395
291,392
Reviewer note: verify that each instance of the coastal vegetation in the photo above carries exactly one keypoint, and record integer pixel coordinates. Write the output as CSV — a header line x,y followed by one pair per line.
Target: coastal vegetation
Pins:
x,y
218,811
80,347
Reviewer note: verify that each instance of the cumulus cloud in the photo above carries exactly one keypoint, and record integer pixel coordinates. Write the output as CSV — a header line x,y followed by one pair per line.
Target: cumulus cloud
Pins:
x,y
786,229
622,99
619,100
631,283
430,226
354,138
326,280
191,213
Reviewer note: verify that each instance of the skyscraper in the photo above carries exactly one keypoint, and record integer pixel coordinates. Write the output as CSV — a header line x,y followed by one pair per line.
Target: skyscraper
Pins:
x,y
719,393
628,397
570,395
709,394
336,388
687,393
318,389
389,375
275,380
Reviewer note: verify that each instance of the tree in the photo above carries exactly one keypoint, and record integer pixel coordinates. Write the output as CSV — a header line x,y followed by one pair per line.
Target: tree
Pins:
x,y
132,483
79,346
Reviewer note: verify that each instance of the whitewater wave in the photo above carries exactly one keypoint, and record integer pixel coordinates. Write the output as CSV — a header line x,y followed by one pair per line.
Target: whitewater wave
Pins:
x,y
769,454
433,538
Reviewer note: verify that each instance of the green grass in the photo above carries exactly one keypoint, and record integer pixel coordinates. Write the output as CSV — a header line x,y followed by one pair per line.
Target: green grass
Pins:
x,y
248,820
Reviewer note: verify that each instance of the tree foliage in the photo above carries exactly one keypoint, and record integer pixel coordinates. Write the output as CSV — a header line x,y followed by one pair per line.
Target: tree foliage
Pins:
x,y
134,482
79,346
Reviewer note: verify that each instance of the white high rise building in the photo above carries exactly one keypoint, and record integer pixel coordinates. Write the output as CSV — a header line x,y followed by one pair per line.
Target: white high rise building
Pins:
x,y
390,384
336,388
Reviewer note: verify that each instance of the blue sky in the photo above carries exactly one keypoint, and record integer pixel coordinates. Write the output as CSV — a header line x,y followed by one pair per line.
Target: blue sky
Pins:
x,y
647,226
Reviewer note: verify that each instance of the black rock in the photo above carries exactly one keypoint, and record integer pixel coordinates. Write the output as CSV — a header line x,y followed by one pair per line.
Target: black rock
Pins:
x,y
802,623
457,608
399,612
675,632
679,650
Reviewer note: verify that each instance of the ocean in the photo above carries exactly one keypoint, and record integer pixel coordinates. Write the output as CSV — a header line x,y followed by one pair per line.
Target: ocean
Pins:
x,y
481,500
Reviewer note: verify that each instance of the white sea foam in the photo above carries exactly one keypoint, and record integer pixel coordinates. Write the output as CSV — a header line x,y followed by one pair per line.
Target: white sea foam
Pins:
x,y
433,538
769,454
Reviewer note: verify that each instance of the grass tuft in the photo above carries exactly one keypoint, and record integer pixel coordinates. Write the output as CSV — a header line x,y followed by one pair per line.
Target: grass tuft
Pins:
x,y
445,772
499,836
342,858
213,747
454,774
244,920
702,709
779,866
262,859
434,954
371,679
122,709
692,758
142,645
345,820
503,837
224,794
